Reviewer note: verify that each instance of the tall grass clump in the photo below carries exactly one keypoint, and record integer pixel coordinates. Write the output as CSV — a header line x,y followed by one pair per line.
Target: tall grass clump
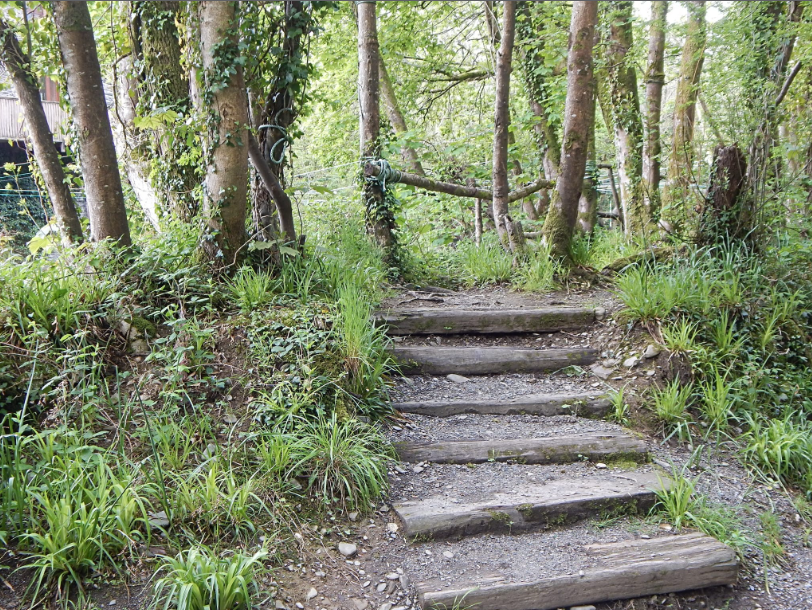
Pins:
x,y
670,405
200,579
647,295
487,264
343,461
537,273
251,289
363,345
781,447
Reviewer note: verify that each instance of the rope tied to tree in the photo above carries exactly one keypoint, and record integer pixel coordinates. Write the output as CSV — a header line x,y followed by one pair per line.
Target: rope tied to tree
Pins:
x,y
386,173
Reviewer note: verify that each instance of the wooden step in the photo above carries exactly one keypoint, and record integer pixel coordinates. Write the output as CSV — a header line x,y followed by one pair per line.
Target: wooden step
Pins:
x,y
489,360
596,447
557,502
483,321
621,570
585,405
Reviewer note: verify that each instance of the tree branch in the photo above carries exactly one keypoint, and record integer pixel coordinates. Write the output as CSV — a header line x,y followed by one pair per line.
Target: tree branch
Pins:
x,y
280,197
788,83
458,190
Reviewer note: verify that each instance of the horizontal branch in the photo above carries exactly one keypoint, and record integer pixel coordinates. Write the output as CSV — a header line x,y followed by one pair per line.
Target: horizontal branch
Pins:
x,y
458,190
465,76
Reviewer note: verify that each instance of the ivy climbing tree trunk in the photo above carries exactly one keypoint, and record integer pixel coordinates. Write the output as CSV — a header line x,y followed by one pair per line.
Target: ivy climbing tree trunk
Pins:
x,y
97,153
380,219
504,223
390,101
655,79
226,184
18,64
161,85
626,117
579,113
678,200
530,24
274,114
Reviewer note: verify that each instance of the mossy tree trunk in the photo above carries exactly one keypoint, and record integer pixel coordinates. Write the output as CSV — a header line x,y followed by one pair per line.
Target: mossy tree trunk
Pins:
x,y
655,79
678,199
97,153
226,185
588,201
162,84
18,64
628,123
579,113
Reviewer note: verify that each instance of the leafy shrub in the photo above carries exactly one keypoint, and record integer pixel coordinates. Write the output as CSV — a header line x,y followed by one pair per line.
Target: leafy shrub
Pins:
x,y
200,579
780,446
251,289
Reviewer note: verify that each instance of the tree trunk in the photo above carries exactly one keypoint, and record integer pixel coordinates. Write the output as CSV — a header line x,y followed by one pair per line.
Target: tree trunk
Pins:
x,y
678,199
501,125
588,201
380,219
770,78
626,117
18,64
97,153
725,215
226,184
655,79
579,112
532,58
274,112
163,84
390,101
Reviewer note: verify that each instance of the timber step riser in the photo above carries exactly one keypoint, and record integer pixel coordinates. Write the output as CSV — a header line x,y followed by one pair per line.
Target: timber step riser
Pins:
x,y
525,518
476,321
624,570
533,507
488,360
548,450
583,405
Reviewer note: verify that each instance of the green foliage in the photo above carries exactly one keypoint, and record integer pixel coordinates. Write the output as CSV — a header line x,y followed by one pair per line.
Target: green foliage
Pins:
x,y
487,264
537,273
648,297
344,462
201,579
620,409
781,447
670,405
251,289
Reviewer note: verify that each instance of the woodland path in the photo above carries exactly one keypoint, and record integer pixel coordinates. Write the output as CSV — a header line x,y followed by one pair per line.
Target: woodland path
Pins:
x,y
513,492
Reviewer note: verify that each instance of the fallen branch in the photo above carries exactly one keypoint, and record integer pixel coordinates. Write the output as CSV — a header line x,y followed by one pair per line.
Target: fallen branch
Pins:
x,y
458,190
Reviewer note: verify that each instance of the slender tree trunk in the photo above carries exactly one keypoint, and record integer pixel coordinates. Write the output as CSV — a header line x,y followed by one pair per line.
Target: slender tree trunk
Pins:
x,y
380,219
655,79
274,112
501,188
678,199
272,184
579,112
226,185
588,201
97,153
626,117
162,84
390,102
18,64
